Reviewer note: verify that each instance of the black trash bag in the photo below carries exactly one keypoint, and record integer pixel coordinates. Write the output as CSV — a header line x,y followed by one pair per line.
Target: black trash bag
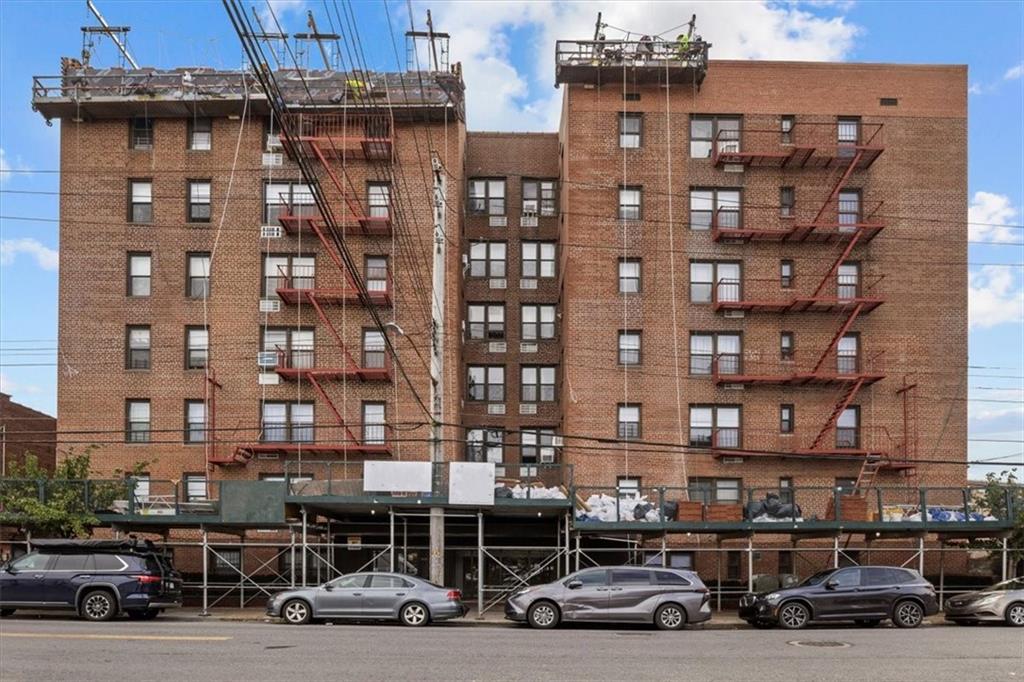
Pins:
x,y
670,511
754,509
640,511
787,511
772,504
503,492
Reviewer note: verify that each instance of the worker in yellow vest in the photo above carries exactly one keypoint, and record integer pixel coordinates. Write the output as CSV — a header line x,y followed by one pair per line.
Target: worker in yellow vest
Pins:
x,y
683,42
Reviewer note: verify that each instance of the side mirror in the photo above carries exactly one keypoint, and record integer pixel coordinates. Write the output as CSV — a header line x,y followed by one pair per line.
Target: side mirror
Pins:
x,y
328,586
574,584
831,584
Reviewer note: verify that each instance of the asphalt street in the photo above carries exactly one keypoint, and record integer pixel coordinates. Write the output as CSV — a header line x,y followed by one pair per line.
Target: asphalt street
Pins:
x,y
194,649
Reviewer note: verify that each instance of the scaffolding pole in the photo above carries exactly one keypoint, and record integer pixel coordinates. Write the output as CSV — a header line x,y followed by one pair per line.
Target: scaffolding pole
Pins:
x,y
577,551
206,572
750,563
305,546
391,538
1005,561
835,552
920,555
291,562
479,565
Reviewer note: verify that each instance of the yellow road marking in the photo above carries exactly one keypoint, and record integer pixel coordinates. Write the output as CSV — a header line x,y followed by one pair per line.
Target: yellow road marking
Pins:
x,y
56,635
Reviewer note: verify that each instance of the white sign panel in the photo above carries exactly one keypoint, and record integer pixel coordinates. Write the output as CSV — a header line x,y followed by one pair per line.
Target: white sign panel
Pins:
x,y
471,483
397,477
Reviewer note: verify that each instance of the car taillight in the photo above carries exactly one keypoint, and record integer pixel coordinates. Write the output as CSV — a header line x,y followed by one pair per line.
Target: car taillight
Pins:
x,y
454,595
149,579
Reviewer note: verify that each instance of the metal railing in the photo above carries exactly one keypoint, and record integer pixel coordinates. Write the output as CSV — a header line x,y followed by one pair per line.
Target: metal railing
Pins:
x,y
659,53
821,136
127,496
369,127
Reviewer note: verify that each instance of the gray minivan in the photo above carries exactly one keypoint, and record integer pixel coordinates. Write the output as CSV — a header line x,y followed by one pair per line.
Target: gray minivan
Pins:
x,y
670,598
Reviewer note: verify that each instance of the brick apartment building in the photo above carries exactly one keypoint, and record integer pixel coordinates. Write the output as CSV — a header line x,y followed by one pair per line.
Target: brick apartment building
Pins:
x,y
24,431
751,278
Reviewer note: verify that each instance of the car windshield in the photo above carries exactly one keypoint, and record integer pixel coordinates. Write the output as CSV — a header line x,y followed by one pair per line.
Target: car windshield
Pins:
x,y
817,578
1015,584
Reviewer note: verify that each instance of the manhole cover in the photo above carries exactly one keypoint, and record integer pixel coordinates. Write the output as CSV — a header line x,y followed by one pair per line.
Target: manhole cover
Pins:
x,y
823,643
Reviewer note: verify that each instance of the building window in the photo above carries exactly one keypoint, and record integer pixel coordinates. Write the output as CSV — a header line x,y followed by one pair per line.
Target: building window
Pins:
x,y
786,419
197,344
787,344
140,273
786,274
849,210
487,196
537,384
486,383
629,421
195,488
287,198
195,421
376,279
848,354
714,207
142,133
785,560
537,445
705,130
848,428
540,197
199,201
628,486
374,424
198,275
715,426
787,202
711,490
538,259
709,348
374,349
287,272
287,422
630,130
200,134
138,356
486,321
848,135
485,445
378,198
629,275
227,561
786,124
141,494
733,565
487,259
140,201
137,413
538,322
629,347
630,199
294,347
848,281
786,490
707,276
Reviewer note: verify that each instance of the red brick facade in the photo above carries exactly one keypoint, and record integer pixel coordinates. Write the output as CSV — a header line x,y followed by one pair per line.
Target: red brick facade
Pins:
x,y
25,431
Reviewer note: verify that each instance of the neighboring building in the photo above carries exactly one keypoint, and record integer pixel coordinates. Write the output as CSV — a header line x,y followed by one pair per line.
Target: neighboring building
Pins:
x,y
25,431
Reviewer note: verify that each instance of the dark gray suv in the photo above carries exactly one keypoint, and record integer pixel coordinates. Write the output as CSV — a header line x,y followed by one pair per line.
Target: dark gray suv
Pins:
x,y
668,597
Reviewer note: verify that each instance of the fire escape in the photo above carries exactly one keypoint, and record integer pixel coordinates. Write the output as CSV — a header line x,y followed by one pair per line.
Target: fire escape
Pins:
x,y
841,221
334,142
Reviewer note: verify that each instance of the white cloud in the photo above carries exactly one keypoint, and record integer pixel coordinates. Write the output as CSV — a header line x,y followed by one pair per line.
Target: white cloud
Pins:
x,y
8,167
279,9
12,387
975,89
991,218
995,296
501,87
46,258
1014,72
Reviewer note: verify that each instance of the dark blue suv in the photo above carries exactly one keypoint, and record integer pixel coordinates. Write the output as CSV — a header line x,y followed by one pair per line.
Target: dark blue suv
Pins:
x,y
98,579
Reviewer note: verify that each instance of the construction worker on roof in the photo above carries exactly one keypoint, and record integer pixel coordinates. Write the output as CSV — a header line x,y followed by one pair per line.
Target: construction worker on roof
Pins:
x,y
683,41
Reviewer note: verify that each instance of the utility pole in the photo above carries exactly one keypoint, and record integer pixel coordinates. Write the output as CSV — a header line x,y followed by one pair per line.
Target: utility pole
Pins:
x,y
437,369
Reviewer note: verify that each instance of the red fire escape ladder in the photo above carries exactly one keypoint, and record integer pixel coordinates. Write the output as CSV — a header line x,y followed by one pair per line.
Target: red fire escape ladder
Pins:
x,y
330,404
345,195
838,335
844,402
349,360
854,160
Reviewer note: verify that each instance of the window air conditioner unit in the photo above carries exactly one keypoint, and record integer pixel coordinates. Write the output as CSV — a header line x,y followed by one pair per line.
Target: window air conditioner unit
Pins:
x,y
274,141
733,387
731,460
527,284
273,159
527,348
267,358
267,455
557,441
528,220
498,221
527,408
270,305
498,283
496,408
271,232
497,347
733,168
733,314
547,455
267,379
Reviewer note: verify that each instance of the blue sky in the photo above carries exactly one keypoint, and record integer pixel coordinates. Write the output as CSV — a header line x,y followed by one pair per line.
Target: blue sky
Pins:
x,y
507,50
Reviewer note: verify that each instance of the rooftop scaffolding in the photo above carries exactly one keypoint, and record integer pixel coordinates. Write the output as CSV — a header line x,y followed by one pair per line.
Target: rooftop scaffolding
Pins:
x,y
644,61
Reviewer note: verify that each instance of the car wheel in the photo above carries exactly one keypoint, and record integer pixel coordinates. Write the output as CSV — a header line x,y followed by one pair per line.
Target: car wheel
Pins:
x,y
98,605
1015,615
149,614
543,615
670,617
867,622
794,615
908,614
414,614
6,612
296,612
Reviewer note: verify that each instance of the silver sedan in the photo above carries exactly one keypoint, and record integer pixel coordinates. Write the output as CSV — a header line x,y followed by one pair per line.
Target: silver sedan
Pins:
x,y
369,596
1002,602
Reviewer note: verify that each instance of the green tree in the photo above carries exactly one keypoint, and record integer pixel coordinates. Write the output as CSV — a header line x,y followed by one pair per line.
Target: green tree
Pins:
x,y
1004,498
64,503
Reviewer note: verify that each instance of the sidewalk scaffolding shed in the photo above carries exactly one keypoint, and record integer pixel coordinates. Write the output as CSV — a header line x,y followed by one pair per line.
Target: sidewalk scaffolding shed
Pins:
x,y
510,526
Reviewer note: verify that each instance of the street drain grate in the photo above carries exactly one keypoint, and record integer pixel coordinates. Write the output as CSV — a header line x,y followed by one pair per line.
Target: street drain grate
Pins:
x,y
280,646
633,634
820,643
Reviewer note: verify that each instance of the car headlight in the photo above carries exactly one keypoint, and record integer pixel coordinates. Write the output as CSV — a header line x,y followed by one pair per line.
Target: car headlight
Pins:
x,y
773,598
518,594
988,600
